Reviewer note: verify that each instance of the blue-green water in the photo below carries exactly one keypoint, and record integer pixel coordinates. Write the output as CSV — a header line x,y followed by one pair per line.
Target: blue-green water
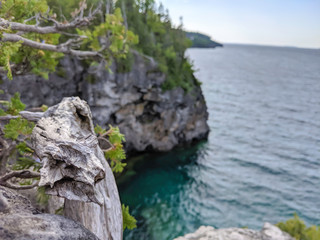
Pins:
x,y
262,159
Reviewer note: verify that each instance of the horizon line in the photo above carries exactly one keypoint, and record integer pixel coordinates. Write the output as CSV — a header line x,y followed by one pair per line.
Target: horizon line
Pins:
x,y
270,45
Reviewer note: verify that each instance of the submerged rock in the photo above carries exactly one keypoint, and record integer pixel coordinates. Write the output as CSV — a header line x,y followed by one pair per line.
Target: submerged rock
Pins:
x,y
19,220
268,232
150,118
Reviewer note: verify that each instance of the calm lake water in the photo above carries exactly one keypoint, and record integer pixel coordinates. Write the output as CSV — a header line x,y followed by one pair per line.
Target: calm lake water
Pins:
x,y
262,159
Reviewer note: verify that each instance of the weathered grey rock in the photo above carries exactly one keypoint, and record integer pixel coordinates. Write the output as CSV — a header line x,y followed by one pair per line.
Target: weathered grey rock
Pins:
x,y
150,118
54,203
268,232
21,221
65,141
74,167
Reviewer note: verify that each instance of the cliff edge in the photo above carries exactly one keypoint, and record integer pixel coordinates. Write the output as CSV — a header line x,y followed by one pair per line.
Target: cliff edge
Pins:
x,y
150,118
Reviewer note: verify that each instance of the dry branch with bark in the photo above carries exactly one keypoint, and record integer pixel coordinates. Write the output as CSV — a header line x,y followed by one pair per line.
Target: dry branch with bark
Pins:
x,y
13,31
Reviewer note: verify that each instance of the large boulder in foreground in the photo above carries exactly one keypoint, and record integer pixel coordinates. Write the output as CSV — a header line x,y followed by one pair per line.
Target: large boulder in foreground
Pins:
x,y
21,221
268,232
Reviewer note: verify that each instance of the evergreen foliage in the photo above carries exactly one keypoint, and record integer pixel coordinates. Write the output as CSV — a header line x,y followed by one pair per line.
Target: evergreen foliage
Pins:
x,y
14,106
18,127
297,229
116,152
34,60
128,221
108,36
115,30
200,40
159,39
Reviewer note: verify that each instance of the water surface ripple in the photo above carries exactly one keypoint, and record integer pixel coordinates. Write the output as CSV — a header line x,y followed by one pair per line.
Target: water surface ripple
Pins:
x,y
262,160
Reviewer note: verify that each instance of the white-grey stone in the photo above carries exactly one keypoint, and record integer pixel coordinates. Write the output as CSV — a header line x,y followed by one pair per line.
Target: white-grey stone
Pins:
x,y
268,232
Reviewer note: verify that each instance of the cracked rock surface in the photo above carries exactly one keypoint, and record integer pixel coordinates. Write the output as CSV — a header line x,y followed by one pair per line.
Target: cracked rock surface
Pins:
x,y
19,220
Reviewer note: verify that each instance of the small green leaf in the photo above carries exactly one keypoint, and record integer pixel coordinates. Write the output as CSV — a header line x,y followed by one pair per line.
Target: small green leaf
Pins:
x,y
42,197
115,137
15,105
44,108
23,148
2,112
128,221
18,126
26,163
99,130
118,167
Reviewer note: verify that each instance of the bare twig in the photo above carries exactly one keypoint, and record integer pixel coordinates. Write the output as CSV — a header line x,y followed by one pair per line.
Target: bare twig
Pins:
x,y
9,37
25,174
7,117
106,133
19,174
20,187
31,116
78,21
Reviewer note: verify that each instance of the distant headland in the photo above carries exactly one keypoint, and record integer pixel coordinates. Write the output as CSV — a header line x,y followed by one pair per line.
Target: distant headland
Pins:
x,y
200,40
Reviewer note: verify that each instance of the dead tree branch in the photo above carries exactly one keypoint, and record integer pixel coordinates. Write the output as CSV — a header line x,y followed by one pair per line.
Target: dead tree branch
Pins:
x,y
24,174
78,21
9,37
31,116
13,32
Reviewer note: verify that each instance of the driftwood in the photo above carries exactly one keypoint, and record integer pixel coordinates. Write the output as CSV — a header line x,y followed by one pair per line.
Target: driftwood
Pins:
x,y
74,167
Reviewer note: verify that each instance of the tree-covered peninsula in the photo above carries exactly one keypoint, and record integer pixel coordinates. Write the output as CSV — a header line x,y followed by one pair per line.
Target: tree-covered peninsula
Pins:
x,y
200,40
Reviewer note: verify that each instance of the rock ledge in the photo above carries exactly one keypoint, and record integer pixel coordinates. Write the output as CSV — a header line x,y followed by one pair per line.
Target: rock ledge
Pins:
x,y
21,221
268,232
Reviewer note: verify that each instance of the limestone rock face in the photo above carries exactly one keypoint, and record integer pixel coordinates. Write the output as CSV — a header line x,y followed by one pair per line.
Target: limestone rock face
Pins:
x,y
21,221
150,118
268,232
65,141
74,167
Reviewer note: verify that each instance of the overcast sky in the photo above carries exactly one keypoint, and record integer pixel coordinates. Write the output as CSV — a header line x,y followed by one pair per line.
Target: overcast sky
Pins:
x,y
266,22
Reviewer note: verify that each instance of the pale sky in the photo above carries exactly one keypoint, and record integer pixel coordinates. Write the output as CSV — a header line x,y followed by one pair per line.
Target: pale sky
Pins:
x,y
265,22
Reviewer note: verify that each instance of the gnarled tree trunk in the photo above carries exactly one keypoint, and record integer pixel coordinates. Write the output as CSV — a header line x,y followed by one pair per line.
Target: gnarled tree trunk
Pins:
x,y
74,167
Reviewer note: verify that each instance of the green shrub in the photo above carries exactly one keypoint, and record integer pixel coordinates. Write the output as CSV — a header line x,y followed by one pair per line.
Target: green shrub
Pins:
x,y
297,229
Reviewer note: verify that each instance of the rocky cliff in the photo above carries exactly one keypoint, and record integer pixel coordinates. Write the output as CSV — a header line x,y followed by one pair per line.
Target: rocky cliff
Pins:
x,y
150,118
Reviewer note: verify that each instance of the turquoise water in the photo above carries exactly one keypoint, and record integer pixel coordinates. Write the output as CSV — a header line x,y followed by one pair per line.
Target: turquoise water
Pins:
x,y
262,159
